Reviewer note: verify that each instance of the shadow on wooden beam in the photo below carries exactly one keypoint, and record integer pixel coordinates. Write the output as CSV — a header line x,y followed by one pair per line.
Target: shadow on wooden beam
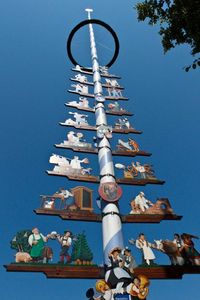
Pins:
x,y
95,272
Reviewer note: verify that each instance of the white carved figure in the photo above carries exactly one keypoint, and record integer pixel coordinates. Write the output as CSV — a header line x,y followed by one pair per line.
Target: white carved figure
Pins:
x,y
112,82
62,163
81,78
123,123
65,194
58,159
78,68
49,204
76,162
147,254
124,144
69,166
83,102
73,103
73,137
141,169
80,88
104,70
113,92
76,139
140,202
80,119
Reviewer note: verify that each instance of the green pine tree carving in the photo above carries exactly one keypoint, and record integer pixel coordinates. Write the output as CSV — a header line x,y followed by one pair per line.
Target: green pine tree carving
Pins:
x,y
20,241
81,250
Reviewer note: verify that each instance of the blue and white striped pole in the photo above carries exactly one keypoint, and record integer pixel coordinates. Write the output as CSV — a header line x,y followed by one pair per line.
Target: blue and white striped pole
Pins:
x,y
111,222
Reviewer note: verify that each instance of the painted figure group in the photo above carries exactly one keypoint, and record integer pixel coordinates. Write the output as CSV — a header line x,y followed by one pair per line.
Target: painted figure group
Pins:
x,y
69,166
181,250
130,145
137,170
77,140
84,104
113,87
41,253
38,252
120,279
80,119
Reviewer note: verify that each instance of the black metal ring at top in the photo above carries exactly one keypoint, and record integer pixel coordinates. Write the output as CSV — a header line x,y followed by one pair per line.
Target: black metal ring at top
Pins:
x,y
92,21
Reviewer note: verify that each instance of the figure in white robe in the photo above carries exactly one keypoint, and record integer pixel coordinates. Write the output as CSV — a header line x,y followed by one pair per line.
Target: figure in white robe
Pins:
x,y
142,244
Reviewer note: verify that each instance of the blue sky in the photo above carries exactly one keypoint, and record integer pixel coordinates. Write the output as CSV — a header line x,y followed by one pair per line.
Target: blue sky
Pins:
x,y
34,76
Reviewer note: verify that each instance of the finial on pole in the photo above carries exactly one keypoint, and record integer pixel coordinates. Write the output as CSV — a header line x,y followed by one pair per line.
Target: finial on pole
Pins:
x,y
89,10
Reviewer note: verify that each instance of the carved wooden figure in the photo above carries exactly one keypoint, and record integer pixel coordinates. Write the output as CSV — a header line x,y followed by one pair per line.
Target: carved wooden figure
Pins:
x,y
80,88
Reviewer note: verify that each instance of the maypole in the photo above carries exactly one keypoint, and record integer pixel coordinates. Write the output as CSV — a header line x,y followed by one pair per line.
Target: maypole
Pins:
x,y
111,222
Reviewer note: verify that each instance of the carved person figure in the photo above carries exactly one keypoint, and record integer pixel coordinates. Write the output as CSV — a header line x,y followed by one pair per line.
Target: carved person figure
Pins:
x,y
83,102
177,240
188,251
37,241
116,277
135,289
76,163
65,241
81,78
142,202
103,288
129,260
147,253
141,169
79,118
72,138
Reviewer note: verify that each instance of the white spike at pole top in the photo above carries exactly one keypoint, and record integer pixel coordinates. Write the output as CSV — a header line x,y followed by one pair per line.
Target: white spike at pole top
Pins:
x,y
89,10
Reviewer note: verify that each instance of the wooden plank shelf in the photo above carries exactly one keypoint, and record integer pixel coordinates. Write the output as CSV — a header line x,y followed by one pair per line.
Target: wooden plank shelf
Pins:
x,y
93,128
95,272
70,215
135,181
105,85
93,217
93,96
96,179
88,71
77,149
149,218
130,153
120,112
95,151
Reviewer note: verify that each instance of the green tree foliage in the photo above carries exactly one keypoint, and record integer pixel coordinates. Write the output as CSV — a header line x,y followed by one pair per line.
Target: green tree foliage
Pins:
x,y
20,241
81,250
179,22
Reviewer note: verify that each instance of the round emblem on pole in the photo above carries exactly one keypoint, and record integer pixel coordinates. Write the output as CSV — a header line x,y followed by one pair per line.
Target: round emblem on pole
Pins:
x,y
110,191
98,22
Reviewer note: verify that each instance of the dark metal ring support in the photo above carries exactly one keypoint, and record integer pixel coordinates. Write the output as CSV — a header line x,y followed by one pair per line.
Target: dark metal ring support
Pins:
x,y
92,21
